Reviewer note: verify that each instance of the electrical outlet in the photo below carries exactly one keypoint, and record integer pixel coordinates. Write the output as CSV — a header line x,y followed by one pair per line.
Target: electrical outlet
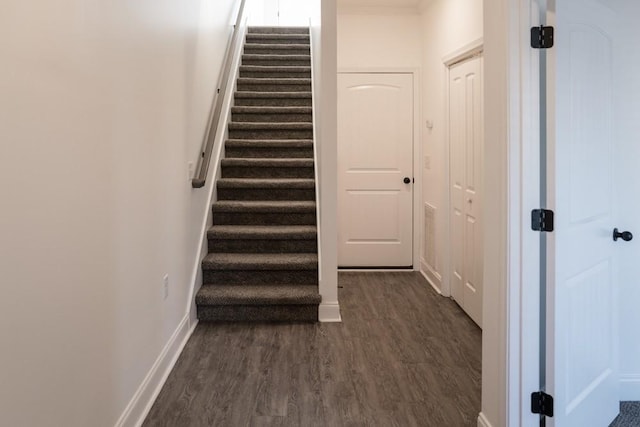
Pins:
x,y
191,170
165,286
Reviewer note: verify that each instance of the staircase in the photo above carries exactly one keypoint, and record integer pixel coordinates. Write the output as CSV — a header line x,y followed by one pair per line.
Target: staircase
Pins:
x,y
262,263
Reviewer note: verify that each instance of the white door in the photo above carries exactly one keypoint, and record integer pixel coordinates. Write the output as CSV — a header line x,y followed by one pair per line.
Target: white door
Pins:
x,y
466,168
582,373
375,158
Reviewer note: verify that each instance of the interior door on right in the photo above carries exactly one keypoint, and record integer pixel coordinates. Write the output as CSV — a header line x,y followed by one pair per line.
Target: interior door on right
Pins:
x,y
582,365
466,166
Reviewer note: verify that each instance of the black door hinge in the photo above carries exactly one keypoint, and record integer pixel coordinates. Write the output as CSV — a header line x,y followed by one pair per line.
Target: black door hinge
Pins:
x,y
541,220
542,403
542,37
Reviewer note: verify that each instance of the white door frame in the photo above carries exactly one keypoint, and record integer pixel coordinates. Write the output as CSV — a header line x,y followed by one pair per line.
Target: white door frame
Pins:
x,y
464,53
510,345
417,148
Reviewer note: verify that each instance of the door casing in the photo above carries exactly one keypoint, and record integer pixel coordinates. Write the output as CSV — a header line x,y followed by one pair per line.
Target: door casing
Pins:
x,y
442,282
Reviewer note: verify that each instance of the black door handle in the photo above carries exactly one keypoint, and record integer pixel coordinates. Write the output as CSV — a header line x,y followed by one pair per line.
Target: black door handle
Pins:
x,y
406,180
624,235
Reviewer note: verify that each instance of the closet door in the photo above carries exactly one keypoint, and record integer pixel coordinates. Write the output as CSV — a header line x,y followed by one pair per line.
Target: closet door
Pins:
x,y
466,161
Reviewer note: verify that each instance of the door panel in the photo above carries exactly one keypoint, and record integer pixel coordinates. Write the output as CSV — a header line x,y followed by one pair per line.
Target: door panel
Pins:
x,y
582,365
465,151
375,154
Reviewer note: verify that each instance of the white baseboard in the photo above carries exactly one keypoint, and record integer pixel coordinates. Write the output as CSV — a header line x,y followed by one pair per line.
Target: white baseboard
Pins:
x,y
483,421
329,312
630,387
140,405
434,279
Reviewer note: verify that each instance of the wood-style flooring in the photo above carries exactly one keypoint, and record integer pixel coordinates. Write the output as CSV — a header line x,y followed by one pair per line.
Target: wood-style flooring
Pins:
x,y
403,356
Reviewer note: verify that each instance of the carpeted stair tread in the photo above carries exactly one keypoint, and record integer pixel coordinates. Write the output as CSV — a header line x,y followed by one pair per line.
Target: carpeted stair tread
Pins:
x,y
277,71
285,95
273,57
277,38
266,183
262,261
282,163
275,80
269,148
271,110
274,84
270,126
277,30
254,262
258,295
277,46
263,232
275,206
275,143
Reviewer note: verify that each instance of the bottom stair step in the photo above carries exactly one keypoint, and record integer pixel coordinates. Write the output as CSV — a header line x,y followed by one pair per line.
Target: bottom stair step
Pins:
x,y
258,295
258,313
266,303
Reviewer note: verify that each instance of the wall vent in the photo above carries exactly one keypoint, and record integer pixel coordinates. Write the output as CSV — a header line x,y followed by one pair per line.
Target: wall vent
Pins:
x,y
429,244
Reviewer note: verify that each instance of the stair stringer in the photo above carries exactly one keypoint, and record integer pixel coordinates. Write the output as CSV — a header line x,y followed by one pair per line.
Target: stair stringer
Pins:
x,y
210,189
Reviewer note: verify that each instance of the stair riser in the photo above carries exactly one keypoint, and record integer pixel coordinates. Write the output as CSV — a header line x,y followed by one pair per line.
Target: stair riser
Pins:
x,y
271,246
273,102
265,117
276,73
268,153
264,50
278,30
263,313
260,277
276,62
266,172
270,134
259,87
272,194
260,39
263,218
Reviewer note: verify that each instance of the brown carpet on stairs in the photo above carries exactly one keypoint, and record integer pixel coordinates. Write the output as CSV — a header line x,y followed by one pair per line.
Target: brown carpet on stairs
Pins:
x,y
262,263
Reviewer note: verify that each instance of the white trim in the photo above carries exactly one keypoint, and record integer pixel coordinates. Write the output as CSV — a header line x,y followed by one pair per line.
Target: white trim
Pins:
x,y
523,282
432,276
328,155
630,387
214,173
329,313
316,159
483,421
143,399
417,149
465,52
468,51
429,280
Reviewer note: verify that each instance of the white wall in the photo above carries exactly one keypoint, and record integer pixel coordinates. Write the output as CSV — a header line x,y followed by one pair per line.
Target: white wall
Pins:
x,y
323,37
379,38
448,25
627,178
500,123
102,105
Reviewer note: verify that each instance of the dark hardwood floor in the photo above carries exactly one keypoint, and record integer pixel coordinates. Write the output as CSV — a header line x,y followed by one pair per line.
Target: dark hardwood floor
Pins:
x,y
403,356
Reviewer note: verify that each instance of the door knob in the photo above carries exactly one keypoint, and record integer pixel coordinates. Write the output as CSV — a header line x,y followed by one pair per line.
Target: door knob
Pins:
x,y
406,180
624,235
